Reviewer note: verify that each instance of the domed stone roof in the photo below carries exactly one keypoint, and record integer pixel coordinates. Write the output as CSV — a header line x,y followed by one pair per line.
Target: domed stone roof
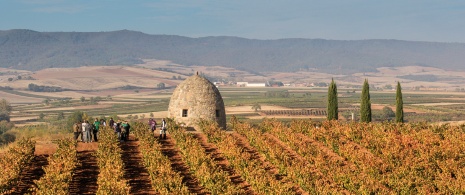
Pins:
x,y
194,99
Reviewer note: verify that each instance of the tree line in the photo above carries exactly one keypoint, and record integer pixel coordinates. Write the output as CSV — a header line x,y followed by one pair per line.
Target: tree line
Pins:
x,y
365,103
42,88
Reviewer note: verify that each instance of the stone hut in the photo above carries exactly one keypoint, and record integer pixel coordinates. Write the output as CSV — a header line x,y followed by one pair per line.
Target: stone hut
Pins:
x,y
194,99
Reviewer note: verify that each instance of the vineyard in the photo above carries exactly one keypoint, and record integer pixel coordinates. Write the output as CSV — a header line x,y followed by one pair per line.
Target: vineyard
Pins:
x,y
300,157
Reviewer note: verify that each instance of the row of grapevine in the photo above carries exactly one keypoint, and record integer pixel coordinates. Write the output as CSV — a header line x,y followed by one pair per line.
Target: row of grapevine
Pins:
x,y
307,175
251,169
355,178
201,165
111,177
367,162
59,171
417,158
164,180
339,143
13,162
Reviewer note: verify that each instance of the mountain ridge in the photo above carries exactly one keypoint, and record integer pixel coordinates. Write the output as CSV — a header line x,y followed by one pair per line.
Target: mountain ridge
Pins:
x,y
33,50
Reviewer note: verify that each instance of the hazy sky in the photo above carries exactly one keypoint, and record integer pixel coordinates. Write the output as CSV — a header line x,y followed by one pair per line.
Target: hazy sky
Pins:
x,y
422,20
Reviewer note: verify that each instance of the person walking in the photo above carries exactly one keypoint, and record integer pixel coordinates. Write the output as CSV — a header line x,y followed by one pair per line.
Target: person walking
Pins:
x,y
91,130
125,130
118,130
76,130
85,131
96,128
163,129
111,123
80,130
152,125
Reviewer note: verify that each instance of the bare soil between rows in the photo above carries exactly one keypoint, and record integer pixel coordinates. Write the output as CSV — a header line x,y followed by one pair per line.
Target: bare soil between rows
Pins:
x,y
86,174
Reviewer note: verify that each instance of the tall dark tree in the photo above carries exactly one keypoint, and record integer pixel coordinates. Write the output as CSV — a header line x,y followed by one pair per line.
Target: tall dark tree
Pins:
x,y
365,105
332,109
399,105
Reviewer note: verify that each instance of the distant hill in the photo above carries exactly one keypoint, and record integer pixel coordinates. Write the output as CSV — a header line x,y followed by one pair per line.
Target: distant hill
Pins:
x,y
31,50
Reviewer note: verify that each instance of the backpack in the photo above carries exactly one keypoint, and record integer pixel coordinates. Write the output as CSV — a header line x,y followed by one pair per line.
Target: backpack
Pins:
x,y
76,127
117,128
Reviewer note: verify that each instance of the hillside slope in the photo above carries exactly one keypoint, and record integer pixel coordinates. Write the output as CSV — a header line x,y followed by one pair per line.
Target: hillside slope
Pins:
x,y
31,50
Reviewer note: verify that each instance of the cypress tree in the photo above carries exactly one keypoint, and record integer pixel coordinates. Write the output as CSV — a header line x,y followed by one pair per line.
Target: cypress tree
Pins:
x,y
399,105
365,105
332,109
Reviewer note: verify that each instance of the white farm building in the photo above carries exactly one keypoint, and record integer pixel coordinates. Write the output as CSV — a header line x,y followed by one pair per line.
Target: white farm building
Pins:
x,y
247,84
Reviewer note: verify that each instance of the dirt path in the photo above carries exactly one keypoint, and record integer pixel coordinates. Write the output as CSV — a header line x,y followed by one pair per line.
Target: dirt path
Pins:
x,y
222,162
169,149
33,172
86,173
134,170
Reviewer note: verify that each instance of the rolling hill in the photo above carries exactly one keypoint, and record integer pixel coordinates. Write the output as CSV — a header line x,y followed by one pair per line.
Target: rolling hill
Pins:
x,y
32,50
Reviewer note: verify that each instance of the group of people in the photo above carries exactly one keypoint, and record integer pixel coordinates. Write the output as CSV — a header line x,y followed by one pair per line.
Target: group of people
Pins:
x,y
121,129
89,131
153,127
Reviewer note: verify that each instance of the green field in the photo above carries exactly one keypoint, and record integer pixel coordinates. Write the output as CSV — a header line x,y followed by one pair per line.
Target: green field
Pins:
x,y
434,107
